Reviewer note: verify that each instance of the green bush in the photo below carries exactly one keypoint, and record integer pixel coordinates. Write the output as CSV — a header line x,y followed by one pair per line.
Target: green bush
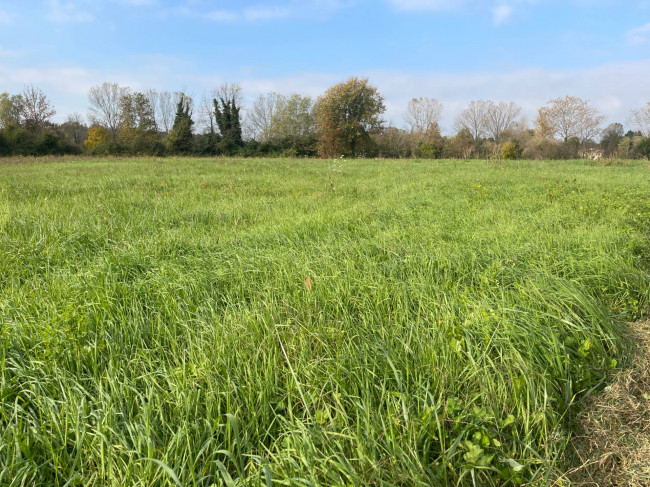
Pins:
x,y
511,151
16,140
429,150
643,148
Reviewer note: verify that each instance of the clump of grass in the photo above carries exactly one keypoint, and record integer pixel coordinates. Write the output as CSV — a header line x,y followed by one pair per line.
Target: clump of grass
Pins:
x,y
612,444
237,322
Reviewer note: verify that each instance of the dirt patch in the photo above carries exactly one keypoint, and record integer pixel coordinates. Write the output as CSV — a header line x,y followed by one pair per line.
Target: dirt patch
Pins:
x,y
612,443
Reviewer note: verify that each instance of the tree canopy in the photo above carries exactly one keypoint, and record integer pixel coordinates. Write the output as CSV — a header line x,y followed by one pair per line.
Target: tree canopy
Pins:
x,y
569,117
226,115
137,125
345,120
346,115
179,139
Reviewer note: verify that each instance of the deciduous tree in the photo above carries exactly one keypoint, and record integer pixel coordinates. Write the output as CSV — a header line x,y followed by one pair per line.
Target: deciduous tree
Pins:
x,y
165,108
460,145
430,144
641,119
421,113
11,110
293,117
473,119
611,138
570,117
499,118
260,115
75,129
105,105
137,127
543,128
97,136
229,91
36,108
206,115
643,148
347,114
392,142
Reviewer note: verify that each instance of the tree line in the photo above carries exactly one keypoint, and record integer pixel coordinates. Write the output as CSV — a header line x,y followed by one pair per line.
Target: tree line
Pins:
x,y
346,120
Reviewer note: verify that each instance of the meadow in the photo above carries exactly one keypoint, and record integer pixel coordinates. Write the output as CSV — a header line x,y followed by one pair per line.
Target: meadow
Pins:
x,y
199,322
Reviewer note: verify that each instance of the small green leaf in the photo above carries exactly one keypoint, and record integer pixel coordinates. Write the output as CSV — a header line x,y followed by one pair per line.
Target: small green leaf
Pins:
x,y
514,465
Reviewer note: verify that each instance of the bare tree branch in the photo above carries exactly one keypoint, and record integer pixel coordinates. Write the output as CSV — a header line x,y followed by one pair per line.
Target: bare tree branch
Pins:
x,y
474,119
422,113
37,110
570,117
260,115
105,105
641,119
500,118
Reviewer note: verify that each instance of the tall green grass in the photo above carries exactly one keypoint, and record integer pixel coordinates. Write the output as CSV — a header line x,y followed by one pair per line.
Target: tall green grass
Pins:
x,y
156,327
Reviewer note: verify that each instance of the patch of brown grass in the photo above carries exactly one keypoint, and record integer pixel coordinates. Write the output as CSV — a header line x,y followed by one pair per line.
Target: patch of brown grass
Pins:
x,y
613,439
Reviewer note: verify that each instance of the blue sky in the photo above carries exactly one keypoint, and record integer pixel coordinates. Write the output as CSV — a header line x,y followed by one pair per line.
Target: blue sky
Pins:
x,y
526,51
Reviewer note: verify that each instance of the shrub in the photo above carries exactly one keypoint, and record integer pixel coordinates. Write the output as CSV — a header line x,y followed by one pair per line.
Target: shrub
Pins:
x,y
50,143
643,148
429,150
97,137
511,151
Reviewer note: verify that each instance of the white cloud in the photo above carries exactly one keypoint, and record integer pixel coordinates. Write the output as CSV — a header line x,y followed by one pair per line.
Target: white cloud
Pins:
x,y
431,5
266,13
8,53
501,14
221,16
67,12
5,17
63,79
639,36
251,14
263,12
139,3
614,89
441,5
502,10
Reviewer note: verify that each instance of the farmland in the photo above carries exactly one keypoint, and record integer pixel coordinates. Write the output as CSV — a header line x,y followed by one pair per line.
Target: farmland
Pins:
x,y
204,322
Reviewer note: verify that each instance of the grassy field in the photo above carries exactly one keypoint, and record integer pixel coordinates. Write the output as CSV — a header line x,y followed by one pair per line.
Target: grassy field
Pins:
x,y
317,323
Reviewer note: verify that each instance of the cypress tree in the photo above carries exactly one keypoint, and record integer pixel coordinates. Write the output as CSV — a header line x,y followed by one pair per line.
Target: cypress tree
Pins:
x,y
180,137
226,114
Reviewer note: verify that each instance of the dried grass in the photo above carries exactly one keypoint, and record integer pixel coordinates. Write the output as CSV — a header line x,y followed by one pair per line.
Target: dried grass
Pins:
x,y
613,441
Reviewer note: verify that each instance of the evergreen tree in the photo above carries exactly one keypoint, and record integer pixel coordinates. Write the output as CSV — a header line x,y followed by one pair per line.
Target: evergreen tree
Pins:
x,y
226,113
179,139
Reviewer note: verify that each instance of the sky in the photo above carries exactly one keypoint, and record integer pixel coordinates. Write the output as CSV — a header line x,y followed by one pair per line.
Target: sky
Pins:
x,y
526,51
